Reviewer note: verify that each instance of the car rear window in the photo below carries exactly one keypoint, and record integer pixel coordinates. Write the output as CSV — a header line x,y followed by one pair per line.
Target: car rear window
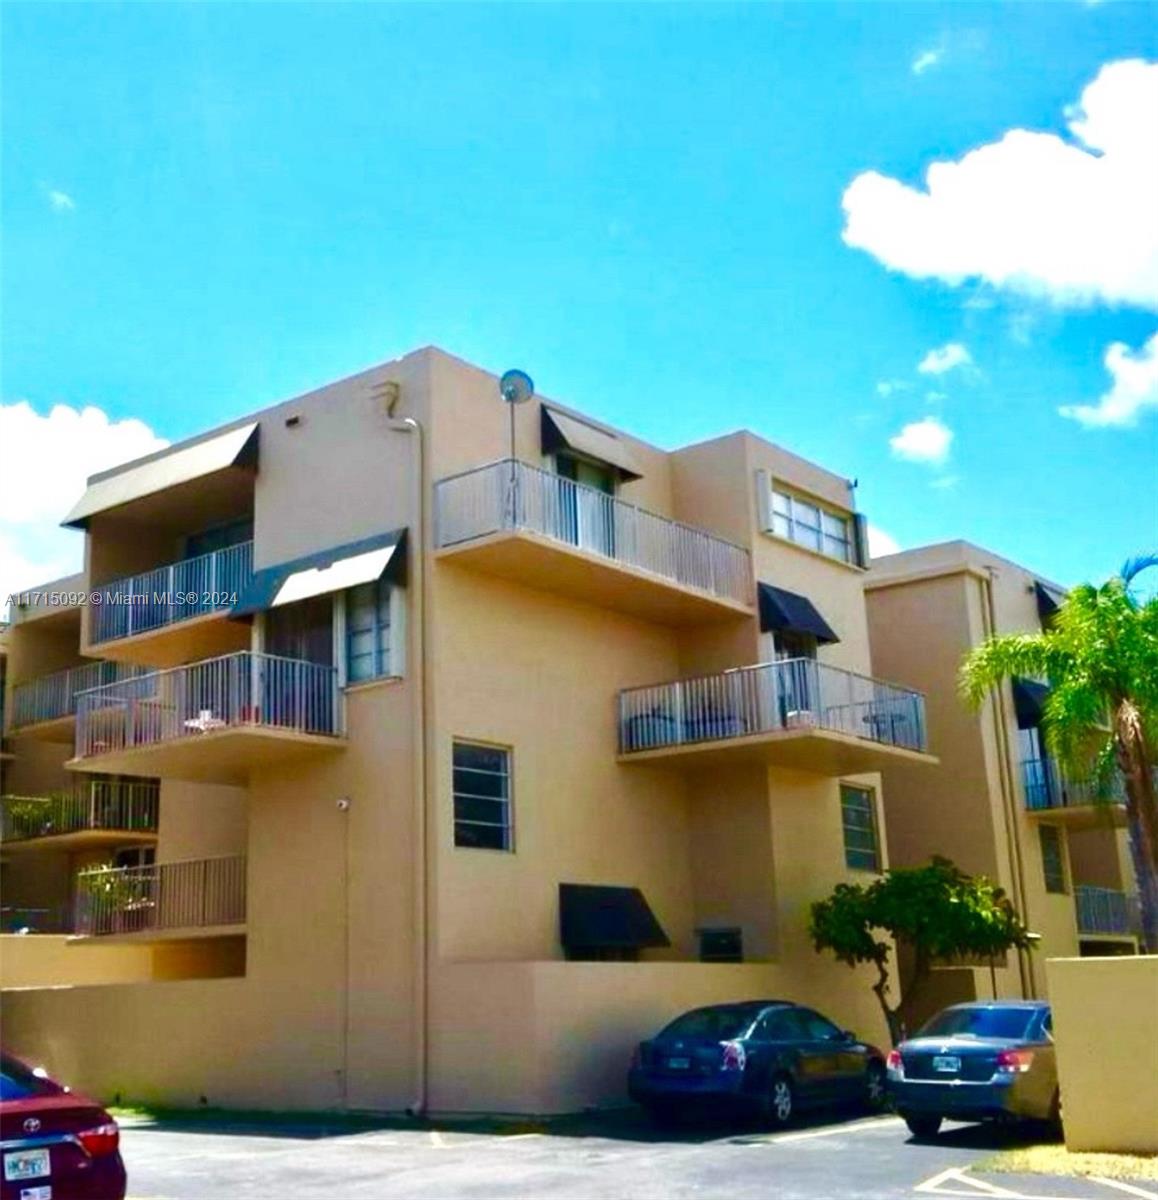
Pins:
x,y
715,1024
17,1082
980,1022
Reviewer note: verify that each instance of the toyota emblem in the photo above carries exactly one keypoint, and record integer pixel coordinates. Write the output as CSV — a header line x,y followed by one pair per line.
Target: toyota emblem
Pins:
x,y
31,1125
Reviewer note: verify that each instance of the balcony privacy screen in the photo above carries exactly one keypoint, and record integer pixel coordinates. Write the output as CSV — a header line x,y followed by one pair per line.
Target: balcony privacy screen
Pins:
x,y
234,448
783,611
332,570
561,432
606,918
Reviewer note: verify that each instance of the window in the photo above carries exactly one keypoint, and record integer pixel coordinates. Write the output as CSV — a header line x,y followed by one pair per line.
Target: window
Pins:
x,y
817,1028
780,1025
368,632
1052,858
482,797
720,1023
135,856
858,812
807,524
721,945
787,643
989,1022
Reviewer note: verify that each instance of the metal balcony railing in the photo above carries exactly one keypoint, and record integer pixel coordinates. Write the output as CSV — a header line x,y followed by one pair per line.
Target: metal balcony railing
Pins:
x,y
1047,786
234,691
1107,911
51,697
122,805
175,592
508,495
181,895
798,693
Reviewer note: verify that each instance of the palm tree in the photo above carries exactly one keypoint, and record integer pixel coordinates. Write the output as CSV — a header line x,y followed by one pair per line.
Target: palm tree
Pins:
x,y
1100,656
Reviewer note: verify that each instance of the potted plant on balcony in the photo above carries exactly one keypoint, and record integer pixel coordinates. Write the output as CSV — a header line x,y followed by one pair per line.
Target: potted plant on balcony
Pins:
x,y
116,900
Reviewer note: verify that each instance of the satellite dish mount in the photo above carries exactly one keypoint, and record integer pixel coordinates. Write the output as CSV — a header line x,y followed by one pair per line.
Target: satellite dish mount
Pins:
x,y
515,387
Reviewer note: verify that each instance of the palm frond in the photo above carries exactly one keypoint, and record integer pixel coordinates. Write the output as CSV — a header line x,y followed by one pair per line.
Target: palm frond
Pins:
x,y
1133,567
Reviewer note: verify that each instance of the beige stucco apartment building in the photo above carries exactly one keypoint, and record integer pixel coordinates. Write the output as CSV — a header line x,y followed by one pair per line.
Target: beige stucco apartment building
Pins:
x,y
426,775
996,802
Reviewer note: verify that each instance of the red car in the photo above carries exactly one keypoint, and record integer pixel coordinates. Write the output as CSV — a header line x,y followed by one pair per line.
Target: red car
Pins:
x,y
55,1144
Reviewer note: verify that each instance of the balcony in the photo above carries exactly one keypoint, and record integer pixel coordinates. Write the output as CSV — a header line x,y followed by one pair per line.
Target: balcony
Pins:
x,y
45,918
98,812
44,708
179,899
1105,912
172,614
213,721
798,714
524,524
1049,791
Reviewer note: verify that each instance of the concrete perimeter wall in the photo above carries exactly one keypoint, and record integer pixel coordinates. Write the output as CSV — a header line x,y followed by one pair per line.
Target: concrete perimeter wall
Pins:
x,y
553,1037
1104,1012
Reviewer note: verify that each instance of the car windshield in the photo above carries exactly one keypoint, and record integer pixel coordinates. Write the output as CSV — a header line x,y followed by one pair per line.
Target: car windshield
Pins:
x,y
18,1082
715,1024
980,1022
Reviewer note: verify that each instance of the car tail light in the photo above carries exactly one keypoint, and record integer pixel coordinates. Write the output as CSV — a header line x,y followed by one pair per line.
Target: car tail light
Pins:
x,y
734,1056
895,1065
101,1140
1011,1062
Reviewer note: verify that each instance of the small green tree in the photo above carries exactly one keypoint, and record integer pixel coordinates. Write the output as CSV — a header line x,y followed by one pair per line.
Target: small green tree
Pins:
x,y
932,912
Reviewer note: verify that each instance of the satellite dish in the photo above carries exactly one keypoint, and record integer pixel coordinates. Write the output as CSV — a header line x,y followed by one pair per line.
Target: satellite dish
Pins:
x,y
516,386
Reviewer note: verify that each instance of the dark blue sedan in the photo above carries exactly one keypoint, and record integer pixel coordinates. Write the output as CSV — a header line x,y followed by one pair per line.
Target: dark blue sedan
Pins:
x,y
768,1057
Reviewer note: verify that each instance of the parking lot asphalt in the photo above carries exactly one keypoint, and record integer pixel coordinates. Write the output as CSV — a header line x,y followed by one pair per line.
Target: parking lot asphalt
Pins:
x,y
611,1157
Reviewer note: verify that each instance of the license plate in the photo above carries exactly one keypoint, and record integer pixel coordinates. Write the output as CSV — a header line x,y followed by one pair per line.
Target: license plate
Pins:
x,y
946,1062
679,1064
27,1164
36,1193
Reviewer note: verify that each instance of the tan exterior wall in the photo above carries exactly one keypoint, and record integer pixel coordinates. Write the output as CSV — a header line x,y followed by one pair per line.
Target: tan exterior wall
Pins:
x,y
1107,1056
926,609
201,820
45,961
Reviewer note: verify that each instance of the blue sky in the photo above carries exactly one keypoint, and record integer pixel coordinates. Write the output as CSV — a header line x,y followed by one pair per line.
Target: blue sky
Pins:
x,y
207,208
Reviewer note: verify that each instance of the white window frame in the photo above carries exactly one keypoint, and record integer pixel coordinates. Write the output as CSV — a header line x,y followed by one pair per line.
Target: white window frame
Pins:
x,y
784,506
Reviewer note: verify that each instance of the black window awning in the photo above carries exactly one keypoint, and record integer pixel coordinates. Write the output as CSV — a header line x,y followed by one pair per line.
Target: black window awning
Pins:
x,y
784,611
1048,600
332,570
563,432
1029,699
594,917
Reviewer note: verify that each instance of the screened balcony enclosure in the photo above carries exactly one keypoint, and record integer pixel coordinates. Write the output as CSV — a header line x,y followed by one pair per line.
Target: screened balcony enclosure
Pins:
x,y
533,527
797,713
213,721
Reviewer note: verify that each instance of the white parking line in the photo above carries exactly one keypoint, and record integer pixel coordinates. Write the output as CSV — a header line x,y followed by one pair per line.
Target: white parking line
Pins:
x,y
775,1139
956,1181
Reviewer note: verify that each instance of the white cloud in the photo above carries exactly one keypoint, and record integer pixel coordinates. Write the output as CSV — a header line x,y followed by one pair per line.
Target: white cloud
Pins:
x,y
926,60
1071,220
936,397
946,482
47,460
1135,387
886,387
945,358
924,441
881,543
60,201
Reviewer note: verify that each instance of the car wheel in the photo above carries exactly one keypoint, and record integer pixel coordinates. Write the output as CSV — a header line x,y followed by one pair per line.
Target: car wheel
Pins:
x,y
875,1093
923,1126
780,1105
